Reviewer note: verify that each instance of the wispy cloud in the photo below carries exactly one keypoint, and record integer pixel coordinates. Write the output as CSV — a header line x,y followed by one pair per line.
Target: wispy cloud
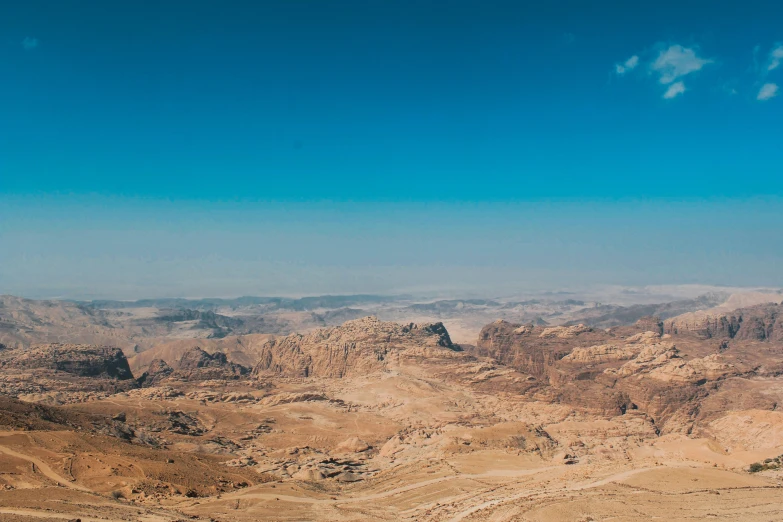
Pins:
x,y
775,58
768,91
677,61
628,65
29,43
670,65
674,90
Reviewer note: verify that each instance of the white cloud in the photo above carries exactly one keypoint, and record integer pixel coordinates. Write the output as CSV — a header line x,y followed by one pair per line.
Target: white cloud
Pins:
x,y
775,58
676,62
674,90
629,65
768,91
29,43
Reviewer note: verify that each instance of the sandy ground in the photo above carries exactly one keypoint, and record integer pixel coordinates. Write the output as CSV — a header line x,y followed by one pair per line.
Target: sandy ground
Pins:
x,y
425,462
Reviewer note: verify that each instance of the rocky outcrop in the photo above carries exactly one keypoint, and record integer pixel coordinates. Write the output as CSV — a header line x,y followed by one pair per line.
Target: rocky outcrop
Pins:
x,y
357,347
533,349
196,364
602,353
756,323
564,332
157,372
704,325
633,368
710,368
352,445
648,358
64,373
77,359
762,323
647,337
650,323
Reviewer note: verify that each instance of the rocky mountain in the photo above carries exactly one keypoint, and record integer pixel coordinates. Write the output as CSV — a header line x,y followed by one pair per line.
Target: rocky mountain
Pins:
x,y
196,364
60,373
357,347
239,349
157,372
669,377
607,315
762,322
81,360
533,349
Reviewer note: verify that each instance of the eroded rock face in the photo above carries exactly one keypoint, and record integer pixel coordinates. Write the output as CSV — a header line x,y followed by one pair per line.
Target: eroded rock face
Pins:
x,y
602,353
356,347
564,332
64,373
533,349
78,359
621,369
710,368
646,359
650,324
196,364
157,372
756,323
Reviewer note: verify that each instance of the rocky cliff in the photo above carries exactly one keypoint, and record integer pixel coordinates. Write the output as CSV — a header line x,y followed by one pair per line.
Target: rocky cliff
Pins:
x,y
637,368
756,323
64,373
77,359
533,349
197,365
158,371
356,347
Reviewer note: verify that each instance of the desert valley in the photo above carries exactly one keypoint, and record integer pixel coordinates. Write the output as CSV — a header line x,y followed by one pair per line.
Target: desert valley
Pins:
x,y
418,261
356,408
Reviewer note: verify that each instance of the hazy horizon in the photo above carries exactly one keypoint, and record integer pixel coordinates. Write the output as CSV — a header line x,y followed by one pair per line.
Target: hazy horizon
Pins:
x,y
197,149
117,248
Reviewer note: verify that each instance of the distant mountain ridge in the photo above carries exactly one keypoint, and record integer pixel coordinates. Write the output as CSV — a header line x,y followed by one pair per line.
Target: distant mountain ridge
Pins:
x,y
297,304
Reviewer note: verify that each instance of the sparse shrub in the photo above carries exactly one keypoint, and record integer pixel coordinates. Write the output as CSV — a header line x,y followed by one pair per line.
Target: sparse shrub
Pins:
x,y
756,467
117,494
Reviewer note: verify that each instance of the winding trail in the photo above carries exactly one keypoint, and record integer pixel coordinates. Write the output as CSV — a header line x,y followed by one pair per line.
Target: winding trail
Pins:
x,y
39,513
592,484
391,492
45,470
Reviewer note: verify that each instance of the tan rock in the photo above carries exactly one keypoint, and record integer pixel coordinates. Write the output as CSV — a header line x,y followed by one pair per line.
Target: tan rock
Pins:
x,y
352,445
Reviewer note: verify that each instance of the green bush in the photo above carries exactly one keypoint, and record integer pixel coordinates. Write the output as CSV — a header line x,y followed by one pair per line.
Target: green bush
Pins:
x,y
756,467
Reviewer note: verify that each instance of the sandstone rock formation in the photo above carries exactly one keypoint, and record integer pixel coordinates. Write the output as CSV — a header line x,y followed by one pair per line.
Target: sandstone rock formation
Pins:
x,y
196,364
758,323
629,368
532,349
64,373
602,353
564,332
157,372
357,347
650,323
77,359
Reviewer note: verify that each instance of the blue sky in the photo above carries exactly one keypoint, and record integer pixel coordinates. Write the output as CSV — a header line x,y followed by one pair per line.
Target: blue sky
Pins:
x,y
331,111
